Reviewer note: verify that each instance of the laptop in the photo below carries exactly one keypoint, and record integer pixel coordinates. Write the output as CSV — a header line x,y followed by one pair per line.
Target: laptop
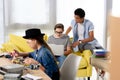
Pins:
x,y
57,50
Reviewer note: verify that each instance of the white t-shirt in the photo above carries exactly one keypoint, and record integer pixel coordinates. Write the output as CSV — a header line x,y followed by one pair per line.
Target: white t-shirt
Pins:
x,y
80,31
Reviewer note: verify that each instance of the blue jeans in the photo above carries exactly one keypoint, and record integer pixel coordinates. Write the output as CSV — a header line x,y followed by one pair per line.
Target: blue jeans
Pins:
x,y
60,59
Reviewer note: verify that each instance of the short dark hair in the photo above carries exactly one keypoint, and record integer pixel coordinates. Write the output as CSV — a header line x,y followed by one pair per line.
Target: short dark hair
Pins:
x,y
59,25
80,12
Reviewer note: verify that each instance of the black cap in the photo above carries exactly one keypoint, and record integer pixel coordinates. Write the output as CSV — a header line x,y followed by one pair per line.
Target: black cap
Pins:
x,y
33,33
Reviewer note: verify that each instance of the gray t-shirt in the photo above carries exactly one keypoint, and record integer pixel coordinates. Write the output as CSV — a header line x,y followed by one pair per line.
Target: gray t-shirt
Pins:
x,y
64,40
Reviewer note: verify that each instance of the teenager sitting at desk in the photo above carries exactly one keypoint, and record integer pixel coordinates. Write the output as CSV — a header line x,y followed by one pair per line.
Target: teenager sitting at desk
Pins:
x,y
59,38
42,54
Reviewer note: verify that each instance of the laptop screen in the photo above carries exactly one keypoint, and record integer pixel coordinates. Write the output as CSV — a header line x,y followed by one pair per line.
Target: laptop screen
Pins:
x,y
57,49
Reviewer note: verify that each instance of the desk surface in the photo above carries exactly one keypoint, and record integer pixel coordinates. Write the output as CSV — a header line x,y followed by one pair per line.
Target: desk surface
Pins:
x,y
100,63
4,61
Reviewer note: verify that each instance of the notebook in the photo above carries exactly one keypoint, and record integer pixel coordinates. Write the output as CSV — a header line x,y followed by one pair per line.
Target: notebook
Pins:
x,y
31,77
57,49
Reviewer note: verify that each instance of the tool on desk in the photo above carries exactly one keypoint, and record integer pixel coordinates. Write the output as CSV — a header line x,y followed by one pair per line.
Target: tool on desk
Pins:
x,y
18,60
13,68
6,55
12,72
1,55
12,76
2,72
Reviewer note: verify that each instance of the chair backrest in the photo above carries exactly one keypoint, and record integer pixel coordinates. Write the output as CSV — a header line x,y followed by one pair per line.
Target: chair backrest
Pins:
x,y
70,66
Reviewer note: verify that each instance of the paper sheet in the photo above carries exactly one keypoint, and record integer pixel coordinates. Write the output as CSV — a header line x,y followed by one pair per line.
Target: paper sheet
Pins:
x,y
31,77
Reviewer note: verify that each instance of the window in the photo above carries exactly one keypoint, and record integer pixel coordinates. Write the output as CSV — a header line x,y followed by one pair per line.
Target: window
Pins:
x,y
23,14
29,11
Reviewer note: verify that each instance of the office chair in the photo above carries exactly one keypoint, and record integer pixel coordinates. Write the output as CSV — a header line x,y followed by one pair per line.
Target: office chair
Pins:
x,y
70,66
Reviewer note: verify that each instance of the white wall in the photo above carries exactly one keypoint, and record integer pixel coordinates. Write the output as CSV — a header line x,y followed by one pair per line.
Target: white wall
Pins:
x,y
95,11
116,8
1,23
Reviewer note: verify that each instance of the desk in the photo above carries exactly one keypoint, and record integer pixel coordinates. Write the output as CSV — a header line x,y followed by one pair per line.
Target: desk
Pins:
x,y
4,61
101,63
